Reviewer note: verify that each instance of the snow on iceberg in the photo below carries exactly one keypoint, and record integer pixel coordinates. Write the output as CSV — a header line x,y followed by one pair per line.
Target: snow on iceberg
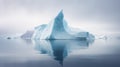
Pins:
x,y
59,29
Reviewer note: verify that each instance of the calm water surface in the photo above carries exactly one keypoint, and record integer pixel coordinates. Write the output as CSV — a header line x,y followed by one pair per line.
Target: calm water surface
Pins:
x,y
59,53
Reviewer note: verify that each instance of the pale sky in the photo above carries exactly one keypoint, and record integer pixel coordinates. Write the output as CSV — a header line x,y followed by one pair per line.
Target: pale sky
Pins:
x,y
96,16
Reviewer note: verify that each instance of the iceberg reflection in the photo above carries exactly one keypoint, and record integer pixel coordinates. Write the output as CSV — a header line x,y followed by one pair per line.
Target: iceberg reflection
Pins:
x,y
59,49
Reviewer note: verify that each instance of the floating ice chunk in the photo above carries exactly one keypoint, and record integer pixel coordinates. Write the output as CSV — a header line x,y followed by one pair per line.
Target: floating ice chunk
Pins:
x,y
27,35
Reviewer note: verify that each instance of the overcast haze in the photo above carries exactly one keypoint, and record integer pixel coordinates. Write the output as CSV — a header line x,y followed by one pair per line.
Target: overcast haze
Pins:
x,y
96,16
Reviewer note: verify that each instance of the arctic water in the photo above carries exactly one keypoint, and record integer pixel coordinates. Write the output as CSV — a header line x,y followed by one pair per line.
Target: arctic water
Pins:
x,y
60,53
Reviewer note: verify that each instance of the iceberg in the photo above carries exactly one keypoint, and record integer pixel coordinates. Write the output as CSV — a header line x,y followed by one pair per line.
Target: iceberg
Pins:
x,y
59,29
27,35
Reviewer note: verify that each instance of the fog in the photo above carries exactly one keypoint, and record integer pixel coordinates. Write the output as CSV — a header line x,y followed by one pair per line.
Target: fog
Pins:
x,y
96,16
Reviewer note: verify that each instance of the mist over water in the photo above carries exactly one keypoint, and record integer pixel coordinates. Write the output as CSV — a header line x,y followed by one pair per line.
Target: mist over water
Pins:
x,y
58,53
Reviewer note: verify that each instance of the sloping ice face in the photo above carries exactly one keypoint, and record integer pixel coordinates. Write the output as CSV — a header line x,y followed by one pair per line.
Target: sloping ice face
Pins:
x,y
59,29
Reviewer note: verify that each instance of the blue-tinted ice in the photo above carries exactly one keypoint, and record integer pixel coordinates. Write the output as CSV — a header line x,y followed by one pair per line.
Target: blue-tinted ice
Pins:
x,y
59,29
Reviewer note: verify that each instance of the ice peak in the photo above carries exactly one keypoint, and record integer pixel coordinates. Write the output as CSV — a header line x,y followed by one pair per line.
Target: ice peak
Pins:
x,y
61,12
60,15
